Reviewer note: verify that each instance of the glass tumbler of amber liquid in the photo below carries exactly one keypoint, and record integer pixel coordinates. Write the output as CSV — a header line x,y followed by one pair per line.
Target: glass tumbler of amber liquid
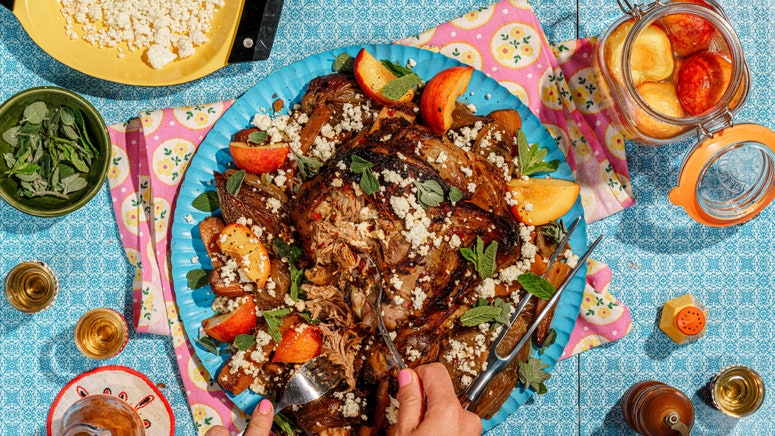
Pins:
x,y
737,391
101,333
31,287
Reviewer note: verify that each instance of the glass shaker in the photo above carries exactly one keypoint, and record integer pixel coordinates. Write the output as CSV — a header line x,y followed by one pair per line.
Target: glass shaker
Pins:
x,y
673,69
101,415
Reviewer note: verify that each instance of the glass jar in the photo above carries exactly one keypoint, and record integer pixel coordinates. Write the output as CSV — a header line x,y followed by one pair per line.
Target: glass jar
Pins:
x,y
101,415
676,69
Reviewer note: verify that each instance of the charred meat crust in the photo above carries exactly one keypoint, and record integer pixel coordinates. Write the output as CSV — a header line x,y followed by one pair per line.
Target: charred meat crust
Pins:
x,y
337,224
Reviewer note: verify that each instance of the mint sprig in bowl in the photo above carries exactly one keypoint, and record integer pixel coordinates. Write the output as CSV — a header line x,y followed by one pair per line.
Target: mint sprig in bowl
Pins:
x,y
54,151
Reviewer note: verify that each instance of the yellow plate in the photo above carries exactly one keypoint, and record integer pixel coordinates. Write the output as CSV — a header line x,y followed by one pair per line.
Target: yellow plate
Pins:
x,y
44,22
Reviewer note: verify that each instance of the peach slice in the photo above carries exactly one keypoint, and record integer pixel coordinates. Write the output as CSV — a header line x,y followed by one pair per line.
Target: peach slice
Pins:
x,y
702,81
227,326
651,56
689,33
239,242
539,201
372,76
259,159
210,229
662,98
440,94
299,344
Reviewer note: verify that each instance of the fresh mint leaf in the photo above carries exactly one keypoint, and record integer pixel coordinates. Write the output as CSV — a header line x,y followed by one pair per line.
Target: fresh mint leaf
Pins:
x,y
369,182
497,313
257,137
487,261
455,195
479,315
359,164
482,258
531,157
555,230
11,136
290,253
66,116
234,182
209,345
308,318
243,342
206,202
396,69
536,285
35,112
198,278
274,319
532,374
285,425
73,183
308,166
429,193
44,140
344,63
551,338
396,88
505,307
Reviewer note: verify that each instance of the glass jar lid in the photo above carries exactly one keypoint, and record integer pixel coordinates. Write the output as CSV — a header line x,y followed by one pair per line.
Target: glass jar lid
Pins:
x,y
729,177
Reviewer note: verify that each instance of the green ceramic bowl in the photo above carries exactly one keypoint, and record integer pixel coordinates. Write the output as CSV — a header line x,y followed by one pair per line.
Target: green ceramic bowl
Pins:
x,y
48,206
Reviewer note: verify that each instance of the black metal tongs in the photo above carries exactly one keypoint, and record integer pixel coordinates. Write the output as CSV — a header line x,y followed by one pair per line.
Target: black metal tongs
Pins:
x,y
495,363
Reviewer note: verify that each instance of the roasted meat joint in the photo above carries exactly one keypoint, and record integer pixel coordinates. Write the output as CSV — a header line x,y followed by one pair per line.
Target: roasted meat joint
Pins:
x,y
376,175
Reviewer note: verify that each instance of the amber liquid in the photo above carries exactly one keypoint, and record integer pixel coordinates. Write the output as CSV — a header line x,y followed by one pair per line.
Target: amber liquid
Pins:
x,y
738,391
31,287
104,412
101,333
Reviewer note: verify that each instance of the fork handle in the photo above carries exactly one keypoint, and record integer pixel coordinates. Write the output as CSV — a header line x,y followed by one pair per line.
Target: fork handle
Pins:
x,y
465,401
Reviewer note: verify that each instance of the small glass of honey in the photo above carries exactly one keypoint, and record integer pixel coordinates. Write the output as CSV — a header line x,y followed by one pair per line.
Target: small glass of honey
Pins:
x,y
101,333
31,287
737,391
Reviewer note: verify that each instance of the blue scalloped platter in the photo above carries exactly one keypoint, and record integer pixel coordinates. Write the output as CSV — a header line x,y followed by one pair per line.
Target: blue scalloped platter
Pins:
x,y
289,85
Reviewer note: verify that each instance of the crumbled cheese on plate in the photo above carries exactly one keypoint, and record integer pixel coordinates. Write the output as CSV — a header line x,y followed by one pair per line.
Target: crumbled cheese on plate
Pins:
x,y
165,29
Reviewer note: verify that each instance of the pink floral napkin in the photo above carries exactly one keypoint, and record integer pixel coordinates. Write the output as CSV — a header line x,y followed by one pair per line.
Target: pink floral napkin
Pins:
x,y
152,152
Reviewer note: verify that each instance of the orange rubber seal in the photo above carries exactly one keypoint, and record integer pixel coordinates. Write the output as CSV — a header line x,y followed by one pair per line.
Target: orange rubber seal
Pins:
x,y
690,320
685,194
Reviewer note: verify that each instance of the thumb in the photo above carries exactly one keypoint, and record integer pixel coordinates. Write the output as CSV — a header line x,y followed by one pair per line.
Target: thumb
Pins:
x,y
261,422
410,400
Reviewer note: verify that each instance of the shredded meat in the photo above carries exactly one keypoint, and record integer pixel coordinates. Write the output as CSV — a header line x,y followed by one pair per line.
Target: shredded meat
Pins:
x,y
411,232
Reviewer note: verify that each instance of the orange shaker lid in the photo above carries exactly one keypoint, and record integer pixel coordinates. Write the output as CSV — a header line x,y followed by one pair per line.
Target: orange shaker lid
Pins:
x,y
718,185
690,320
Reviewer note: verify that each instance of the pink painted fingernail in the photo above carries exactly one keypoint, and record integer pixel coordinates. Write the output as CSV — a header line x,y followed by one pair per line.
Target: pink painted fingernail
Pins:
x,y
404,377
264,407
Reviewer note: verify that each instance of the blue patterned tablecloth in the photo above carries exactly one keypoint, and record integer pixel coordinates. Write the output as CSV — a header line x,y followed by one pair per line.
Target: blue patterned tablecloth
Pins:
x,y
654,249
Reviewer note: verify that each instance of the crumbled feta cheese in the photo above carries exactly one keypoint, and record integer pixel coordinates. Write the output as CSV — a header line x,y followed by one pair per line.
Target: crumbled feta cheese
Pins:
x,y
167,30
391,411
486,288
571,259
418,298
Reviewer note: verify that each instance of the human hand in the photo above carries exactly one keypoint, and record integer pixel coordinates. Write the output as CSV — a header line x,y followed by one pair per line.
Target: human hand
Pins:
x,y
429,406
260,423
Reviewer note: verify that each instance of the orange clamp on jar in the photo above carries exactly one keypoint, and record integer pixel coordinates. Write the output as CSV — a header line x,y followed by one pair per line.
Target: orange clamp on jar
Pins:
x,y
676,69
